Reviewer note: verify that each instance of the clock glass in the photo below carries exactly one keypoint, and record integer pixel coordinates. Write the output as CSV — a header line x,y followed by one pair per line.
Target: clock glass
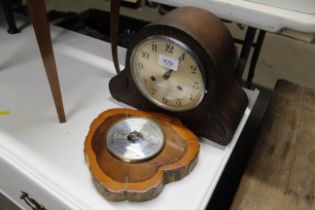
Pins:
x,y
168,73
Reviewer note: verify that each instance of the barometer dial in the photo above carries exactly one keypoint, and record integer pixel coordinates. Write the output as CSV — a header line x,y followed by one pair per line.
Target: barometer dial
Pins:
x,y
135,139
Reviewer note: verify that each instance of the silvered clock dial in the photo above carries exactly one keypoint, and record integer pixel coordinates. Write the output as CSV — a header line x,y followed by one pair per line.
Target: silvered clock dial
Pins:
x,y
167,72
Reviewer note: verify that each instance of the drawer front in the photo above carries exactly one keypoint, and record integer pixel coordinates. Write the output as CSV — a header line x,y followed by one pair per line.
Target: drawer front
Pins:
x,y
23,192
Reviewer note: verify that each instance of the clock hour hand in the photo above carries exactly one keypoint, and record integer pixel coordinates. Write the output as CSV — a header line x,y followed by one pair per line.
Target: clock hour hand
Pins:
x,y
167,74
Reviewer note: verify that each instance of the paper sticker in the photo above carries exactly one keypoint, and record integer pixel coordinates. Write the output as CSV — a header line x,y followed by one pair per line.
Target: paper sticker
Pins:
x,y
168,62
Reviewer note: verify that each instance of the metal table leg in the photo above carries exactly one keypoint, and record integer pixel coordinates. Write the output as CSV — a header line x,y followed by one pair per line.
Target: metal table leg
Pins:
x,y
252,67
247,45
7,8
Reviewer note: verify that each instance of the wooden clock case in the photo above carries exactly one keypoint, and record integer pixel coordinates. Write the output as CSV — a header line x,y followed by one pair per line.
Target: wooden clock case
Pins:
x,y
223,105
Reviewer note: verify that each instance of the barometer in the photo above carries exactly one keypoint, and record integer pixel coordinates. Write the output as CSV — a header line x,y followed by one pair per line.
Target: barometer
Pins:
x,y
132,154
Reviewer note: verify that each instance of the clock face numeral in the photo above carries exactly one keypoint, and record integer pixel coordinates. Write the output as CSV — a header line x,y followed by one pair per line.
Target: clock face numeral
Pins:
x,y
154,47
179,88
182,57
193,69
165,101
178,102
169,48
196,85
168,74
153,91
145,55
140,66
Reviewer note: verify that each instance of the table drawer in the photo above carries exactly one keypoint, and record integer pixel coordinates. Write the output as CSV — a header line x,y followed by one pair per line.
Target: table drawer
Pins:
x,y
14,185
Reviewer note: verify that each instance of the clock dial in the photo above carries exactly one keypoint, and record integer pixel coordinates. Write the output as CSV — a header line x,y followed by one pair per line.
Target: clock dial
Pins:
x,y
168,73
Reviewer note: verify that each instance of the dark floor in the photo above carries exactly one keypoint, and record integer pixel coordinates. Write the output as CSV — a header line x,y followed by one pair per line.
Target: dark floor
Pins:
x,y
6,204
228,183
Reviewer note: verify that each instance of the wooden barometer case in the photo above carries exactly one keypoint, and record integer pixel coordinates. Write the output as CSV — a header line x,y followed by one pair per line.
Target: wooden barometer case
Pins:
x,y
132,154
183,65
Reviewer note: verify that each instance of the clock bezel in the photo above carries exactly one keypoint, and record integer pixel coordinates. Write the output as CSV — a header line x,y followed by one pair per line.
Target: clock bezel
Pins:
x,y
186,49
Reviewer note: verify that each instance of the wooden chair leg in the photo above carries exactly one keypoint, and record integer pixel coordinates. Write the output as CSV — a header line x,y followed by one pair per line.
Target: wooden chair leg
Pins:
x,y
38,15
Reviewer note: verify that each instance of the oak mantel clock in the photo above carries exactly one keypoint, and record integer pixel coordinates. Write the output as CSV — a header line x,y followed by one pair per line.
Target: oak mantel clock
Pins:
x,y
183,65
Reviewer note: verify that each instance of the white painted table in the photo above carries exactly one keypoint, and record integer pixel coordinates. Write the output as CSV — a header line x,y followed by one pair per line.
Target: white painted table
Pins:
x,y
45,159
267,15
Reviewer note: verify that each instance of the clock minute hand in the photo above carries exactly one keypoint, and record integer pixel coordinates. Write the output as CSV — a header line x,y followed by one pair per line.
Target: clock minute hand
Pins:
x,y
167,74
